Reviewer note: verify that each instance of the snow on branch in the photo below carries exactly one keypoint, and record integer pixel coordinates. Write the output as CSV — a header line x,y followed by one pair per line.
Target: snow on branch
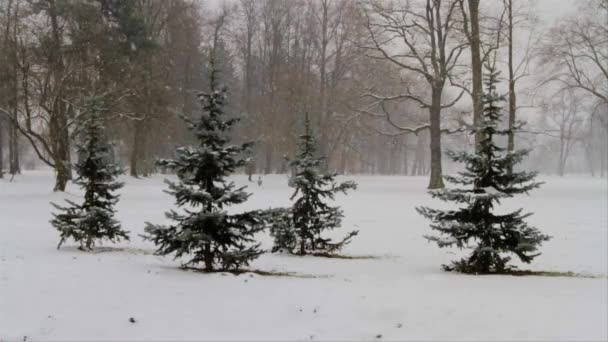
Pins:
x,y
402,129
423,104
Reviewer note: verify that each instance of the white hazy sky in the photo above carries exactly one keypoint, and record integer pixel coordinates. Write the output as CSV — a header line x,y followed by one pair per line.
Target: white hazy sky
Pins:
x,y
548,10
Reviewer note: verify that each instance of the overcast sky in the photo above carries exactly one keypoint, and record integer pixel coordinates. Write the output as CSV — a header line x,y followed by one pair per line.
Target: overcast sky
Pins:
x,y
548,10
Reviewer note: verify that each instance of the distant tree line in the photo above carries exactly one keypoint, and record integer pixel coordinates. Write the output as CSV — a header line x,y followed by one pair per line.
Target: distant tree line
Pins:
x,y
387,83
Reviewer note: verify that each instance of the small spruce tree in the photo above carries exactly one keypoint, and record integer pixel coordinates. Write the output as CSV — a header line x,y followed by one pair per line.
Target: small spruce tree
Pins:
x,y
93,220
298,229
205,230
487,181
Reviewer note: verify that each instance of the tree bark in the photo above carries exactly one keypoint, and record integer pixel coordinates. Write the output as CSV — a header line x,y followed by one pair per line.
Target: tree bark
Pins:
x,y
137,150
1,148
62,175
13,142
418,163
323,77
208,258
436,179
60,149
4,81
58,122
268,159
512,97
561,163
476,66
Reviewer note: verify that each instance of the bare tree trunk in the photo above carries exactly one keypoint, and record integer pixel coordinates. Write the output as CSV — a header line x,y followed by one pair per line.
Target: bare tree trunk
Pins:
x,y
589,149
561,163
268,159
65,138
62,175
589,155
5,80
432,57
476,64
512,98
323,77
393,158
1,148
61,150
343,160
208,258
59,124
436,179
137,150
418,156
13,137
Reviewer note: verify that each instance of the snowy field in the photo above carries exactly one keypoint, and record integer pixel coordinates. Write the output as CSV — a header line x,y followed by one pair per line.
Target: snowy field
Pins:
x,y
402,294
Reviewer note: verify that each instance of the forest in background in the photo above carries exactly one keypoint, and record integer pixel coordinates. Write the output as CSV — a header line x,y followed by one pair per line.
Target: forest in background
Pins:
x,y
388,84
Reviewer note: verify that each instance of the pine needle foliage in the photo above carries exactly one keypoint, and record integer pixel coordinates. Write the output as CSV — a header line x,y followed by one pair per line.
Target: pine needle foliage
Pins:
x,y
93,220
204,231
485,182
298,230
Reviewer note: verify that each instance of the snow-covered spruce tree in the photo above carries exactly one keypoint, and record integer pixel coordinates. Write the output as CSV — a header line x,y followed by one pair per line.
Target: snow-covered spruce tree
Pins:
x,y
205,231
486,181
93,220
298,229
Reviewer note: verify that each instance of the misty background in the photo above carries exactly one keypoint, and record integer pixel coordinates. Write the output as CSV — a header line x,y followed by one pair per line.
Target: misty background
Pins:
x,y
346,63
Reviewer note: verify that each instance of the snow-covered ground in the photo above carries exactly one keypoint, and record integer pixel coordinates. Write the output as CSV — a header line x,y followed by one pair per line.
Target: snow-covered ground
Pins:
x,y
50,294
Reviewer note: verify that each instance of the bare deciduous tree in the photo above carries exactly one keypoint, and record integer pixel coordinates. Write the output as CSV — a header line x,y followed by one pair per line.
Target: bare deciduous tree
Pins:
x,y
422,40
565,115
578,49
519,18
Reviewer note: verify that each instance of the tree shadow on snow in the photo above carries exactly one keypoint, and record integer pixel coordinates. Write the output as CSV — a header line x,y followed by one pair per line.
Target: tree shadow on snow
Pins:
x,y
342,256
531,273
251,272
569,274
102,249
334,256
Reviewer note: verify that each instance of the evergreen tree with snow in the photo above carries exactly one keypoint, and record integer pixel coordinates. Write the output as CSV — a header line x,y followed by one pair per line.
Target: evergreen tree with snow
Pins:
x,y
299,229
93,220
485,183
205,231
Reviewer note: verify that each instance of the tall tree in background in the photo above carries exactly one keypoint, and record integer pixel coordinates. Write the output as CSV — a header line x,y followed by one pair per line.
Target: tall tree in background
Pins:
x,y
1,149
48,81
487,173
9,80
336,44
578,49
432,50
280,58
470,14
155,63
565,117
520,17
512,95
